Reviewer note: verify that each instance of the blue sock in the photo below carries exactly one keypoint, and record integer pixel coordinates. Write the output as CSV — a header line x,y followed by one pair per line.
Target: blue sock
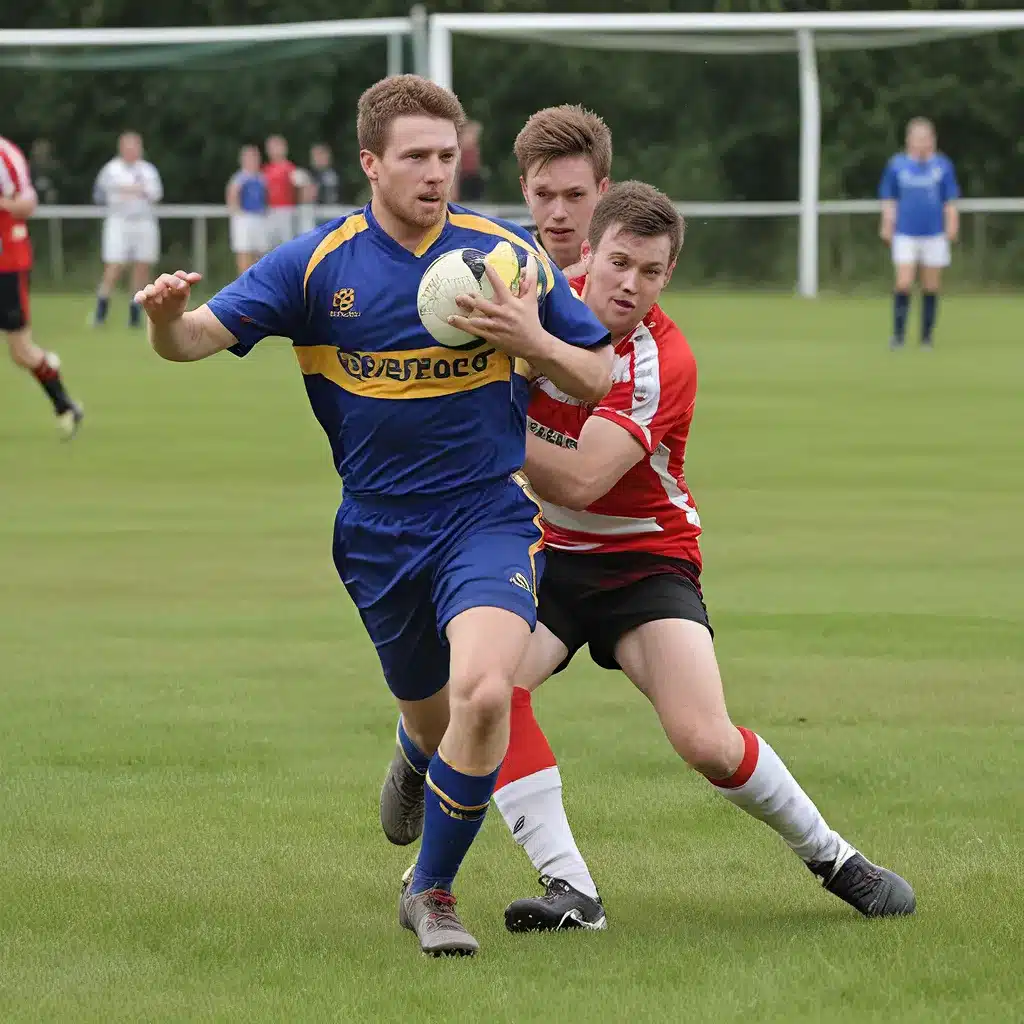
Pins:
x,y
102,302
900,309
419,761
134,314
456,805
929,310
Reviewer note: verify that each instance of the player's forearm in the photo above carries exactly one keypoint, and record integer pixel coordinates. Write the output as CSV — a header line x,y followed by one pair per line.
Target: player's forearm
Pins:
x,y
21,206
584,373
888,214
562,476
951,219
187,338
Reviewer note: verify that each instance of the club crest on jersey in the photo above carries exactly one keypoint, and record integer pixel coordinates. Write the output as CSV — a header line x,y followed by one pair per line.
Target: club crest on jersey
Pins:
x,y
343,301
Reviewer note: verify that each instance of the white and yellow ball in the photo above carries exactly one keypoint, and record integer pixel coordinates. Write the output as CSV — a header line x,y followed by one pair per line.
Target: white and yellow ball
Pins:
x,y
462,272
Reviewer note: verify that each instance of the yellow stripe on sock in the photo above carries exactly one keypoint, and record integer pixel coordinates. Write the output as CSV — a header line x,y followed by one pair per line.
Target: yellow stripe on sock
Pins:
x,y
453,803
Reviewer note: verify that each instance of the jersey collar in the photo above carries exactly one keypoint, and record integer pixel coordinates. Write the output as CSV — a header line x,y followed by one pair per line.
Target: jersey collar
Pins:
x,y
424,247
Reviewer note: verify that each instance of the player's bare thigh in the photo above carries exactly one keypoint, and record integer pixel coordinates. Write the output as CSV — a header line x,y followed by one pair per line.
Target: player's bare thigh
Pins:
x,y
140,275
672,662
543,654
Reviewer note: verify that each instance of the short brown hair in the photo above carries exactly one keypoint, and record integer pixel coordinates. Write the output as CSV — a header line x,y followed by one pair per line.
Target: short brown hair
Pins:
x,y
640,209
568,130
403,96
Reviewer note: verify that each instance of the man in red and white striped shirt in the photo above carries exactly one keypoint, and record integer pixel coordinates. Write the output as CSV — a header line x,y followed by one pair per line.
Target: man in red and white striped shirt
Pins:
x,y
622,576
18,202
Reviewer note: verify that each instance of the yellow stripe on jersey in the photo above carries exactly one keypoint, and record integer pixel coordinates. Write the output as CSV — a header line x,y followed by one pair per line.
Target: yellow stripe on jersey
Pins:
x,y
431,236
345,231
538,521
417,373
483,225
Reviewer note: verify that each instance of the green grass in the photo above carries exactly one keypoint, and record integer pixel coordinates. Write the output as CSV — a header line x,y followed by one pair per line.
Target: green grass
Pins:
x,y
193,726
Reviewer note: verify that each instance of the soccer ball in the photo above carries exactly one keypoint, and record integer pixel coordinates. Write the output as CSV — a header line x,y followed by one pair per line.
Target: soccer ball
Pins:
x,y
461,272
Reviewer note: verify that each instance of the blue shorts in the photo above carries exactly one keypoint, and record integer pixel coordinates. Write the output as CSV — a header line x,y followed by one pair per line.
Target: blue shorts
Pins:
x,y
412,565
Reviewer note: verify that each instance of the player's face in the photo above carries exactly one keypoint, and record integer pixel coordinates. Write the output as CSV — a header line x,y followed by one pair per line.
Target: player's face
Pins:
x,y
277,148
562,195
921,142
249,159
129,147
414,176
625,276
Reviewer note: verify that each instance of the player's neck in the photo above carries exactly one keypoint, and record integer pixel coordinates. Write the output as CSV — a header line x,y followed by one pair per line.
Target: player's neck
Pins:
x,y
408,236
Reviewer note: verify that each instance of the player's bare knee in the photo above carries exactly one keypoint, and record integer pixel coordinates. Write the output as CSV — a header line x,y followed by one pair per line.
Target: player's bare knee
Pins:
x,y
482,699
710,748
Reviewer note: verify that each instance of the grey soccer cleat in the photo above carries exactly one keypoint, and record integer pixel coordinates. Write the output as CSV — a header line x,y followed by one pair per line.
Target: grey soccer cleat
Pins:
x,y
70,420
401,801
431,915
873,890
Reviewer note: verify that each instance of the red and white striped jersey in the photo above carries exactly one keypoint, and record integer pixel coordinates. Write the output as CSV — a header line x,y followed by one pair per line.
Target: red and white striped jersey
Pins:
x,y
654,384
15,246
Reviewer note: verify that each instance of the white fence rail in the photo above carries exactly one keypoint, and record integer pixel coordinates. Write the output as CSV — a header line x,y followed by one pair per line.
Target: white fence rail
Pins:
x,y
201,215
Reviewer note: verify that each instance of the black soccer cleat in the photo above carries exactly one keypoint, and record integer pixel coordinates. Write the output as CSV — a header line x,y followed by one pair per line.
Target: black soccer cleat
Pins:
x,y
560,908
873,890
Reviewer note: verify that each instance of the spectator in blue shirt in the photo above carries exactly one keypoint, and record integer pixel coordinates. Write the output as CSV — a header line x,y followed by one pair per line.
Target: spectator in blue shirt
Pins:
x,y
919,220
246,198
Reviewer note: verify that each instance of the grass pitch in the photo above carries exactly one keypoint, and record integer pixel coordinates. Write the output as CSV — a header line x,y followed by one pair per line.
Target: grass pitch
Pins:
x,y
194,727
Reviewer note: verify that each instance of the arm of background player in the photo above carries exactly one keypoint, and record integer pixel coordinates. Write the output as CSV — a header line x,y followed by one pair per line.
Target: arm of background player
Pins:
x,y
152,184
231,195
22,204
950,211
576,478
887,192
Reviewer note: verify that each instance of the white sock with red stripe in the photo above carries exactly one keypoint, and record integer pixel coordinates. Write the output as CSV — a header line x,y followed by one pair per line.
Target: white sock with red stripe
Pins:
x,y
529,796
765,789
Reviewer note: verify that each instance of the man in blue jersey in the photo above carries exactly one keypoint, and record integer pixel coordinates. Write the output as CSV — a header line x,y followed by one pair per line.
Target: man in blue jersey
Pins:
x,y
919,220
246,198
437,540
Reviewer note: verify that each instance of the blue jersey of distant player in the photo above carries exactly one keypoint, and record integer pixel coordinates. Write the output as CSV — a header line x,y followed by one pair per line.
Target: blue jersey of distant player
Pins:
x,y
252,191
403,415
921,188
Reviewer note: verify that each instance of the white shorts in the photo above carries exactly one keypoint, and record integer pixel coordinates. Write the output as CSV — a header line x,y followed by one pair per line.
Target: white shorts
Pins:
x,y
280,225
926,250
248,233
131,240
305,217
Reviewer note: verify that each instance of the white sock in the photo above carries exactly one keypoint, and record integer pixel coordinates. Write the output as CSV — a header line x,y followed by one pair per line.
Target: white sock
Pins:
x,y
773,796
533,810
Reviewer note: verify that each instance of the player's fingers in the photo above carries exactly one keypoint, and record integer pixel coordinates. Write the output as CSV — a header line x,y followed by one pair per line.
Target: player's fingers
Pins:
x,y
528,278
476,305
502,293
472,325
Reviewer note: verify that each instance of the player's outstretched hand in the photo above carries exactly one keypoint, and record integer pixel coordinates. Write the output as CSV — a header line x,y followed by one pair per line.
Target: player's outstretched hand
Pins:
x,y
167,297
511,322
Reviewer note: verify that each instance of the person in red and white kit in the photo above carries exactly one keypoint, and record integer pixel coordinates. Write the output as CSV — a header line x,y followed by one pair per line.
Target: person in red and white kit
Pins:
x,y
622,575
18,202
286,185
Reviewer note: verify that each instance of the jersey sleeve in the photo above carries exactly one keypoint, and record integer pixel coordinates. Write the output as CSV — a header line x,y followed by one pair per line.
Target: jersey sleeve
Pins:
x,y
949,187
101,185
153,185
568,317
651,391
267,300
888,187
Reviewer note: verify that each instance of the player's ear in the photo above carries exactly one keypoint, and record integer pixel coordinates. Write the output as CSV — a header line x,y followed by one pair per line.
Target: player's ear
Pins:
x,y
585,251
668,273
368,161
602,186
522,186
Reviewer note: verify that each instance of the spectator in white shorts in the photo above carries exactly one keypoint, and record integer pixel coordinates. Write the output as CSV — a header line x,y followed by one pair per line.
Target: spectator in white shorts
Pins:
x,y
246,198
129,187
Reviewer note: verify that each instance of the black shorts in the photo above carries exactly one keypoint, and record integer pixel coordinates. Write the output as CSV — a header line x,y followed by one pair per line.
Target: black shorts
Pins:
x,y
597,599
13,300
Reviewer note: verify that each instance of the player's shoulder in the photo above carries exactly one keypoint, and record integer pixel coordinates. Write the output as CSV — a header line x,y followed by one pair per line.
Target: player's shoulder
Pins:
x,y
659,329
944,161
341,238
10,147
465,219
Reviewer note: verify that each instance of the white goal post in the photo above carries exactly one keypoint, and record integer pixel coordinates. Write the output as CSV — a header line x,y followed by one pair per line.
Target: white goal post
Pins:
x,y
801,33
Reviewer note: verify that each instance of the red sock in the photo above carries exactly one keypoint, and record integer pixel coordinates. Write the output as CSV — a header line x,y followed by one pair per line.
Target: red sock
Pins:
x,y
528,747
46,370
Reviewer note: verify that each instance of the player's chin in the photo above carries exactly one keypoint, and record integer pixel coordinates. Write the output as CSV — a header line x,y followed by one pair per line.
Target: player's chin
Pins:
x,y
427,211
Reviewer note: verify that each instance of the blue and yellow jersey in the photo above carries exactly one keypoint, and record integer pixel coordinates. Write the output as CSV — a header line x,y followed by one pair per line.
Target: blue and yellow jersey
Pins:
x,y
403,415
